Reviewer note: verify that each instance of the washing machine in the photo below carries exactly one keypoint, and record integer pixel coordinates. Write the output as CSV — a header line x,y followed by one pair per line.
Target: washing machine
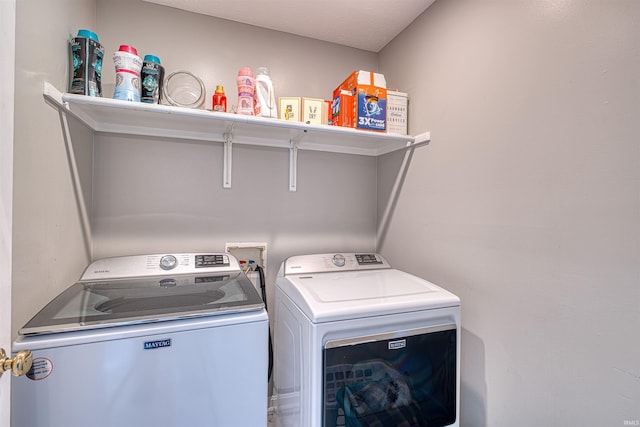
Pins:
x,y
358,343
149,340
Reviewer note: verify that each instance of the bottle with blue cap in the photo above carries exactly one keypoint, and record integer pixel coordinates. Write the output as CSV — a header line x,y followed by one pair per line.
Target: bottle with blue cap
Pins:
x,y
152,77
85,64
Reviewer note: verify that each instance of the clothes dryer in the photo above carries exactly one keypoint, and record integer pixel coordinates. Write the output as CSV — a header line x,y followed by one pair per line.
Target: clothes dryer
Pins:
x,y
358,343
150,340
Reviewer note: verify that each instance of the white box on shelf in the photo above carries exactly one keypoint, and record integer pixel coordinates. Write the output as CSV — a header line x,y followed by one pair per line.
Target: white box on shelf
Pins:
x,y
397,112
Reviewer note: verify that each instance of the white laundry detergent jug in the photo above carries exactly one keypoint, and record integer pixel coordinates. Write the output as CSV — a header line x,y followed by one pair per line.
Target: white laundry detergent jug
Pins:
x,y
265,93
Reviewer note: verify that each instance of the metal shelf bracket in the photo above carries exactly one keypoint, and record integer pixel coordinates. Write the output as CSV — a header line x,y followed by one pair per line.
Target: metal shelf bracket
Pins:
x,y
227,159
294,142
293,164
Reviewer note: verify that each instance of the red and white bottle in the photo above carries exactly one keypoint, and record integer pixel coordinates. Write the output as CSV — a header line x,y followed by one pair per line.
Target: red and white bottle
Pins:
x,y
128,65
219,101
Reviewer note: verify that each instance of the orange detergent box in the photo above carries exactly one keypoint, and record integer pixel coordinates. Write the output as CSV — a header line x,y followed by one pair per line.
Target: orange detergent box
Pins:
x,y
342,108
361,101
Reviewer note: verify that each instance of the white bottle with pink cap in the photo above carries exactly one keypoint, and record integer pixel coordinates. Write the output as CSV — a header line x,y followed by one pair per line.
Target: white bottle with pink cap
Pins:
x,y
128,65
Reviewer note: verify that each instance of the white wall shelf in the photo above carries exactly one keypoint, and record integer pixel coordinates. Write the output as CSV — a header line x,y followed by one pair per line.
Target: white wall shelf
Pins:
x,y
105,115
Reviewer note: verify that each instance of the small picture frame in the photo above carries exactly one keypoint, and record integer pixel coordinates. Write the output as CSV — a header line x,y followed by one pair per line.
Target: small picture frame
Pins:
x,y
290,108
312,110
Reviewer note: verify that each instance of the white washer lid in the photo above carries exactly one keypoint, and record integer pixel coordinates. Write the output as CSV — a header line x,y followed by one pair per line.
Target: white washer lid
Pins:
x,y
147,289
326,297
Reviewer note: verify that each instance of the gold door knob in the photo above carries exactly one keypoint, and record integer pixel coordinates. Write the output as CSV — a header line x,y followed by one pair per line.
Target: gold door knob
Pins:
x,y
18,365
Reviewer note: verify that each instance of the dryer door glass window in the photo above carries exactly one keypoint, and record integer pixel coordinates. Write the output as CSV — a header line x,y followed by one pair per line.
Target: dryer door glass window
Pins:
x,y
404,378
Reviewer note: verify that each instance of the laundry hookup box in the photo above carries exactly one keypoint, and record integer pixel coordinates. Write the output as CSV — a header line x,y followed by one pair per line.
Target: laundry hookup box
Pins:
x,y
361,101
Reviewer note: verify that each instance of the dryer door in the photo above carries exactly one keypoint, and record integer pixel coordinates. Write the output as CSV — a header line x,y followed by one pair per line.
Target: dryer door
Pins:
x,y
403,378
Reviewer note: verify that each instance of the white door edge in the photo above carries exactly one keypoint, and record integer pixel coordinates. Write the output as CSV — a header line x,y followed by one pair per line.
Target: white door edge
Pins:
x,y
7,67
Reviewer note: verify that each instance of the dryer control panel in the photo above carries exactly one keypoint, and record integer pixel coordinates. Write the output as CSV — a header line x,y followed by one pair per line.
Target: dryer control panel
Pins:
x,y
326,263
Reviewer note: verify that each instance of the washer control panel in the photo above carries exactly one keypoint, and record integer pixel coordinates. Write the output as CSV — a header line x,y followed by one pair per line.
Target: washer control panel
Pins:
x,y
339,260
160,264
168,262
216,260
325,263
368,259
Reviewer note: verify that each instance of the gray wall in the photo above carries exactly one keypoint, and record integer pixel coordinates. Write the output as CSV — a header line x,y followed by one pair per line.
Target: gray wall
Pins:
x,y
48,249
148,195
154,195
527,202
215,49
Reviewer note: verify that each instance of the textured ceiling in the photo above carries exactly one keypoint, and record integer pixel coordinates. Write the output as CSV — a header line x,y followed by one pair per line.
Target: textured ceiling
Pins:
x,y
363,24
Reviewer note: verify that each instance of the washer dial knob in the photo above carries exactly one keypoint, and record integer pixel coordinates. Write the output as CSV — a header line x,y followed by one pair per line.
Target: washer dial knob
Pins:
x,y
338,260
168,262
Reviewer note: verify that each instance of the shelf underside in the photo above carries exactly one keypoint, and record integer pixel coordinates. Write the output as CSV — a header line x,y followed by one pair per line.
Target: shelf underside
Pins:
x,y
114,116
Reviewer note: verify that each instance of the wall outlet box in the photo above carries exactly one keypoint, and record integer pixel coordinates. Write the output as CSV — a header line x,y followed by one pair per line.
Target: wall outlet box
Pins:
x,y
248,252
